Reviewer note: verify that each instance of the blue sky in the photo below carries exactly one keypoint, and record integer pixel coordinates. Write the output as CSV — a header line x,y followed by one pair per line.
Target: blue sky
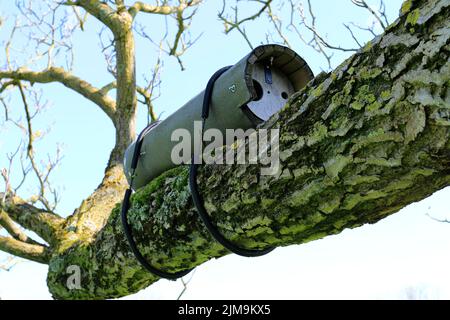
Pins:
x,y
407,250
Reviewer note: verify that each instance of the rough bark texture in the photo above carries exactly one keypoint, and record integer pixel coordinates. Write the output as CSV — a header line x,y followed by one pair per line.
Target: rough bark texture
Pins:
x,y
357,145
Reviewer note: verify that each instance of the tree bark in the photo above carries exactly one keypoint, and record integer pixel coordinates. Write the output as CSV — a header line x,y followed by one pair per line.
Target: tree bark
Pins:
x,y
356,145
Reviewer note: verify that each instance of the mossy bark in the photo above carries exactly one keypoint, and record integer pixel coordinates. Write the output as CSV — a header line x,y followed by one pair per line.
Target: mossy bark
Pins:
x,y
356,145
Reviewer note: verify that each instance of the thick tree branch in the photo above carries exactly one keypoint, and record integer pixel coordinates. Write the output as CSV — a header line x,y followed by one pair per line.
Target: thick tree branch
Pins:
x,y
94,211
46,225
100,10
7,84
126,100
67,79
108,87
147,8
161,9
24,250
9,225
356,145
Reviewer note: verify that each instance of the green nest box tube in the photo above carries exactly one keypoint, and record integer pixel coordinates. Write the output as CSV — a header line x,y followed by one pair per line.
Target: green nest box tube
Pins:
x,y
247,94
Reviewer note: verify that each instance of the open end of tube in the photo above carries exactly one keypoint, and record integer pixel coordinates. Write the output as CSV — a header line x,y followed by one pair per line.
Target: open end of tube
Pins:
x,y
273,89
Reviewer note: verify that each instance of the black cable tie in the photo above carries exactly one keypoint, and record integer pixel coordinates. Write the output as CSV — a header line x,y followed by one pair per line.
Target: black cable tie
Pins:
x,y
126,226
197,198
208,91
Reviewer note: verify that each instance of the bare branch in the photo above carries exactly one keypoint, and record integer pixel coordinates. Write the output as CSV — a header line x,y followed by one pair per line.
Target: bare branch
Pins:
x,y
182,41
237,23
24,250
108,50
48,31
43,173
64,77
44,223
8,46
30,150
378,16
9,263
81,19
6,172
277,23
353,35
317,37
368,29
148,101
41,177
6,84
108,87
181,44
9,225
317,42
438,220
147,8
161,9
100,10
185,284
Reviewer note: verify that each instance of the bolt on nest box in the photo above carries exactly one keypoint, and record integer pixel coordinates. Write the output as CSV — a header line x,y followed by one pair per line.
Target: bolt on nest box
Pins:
x,y
245,95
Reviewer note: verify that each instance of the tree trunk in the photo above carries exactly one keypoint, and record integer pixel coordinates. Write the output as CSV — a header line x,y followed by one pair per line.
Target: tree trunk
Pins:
x,y
356,145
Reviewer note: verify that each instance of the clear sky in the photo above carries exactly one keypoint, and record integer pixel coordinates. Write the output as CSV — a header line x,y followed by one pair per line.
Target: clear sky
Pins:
x,y
405,254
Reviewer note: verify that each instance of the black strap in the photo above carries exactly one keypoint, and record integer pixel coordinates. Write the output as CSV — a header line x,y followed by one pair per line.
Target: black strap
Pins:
x,y
197,198
126,205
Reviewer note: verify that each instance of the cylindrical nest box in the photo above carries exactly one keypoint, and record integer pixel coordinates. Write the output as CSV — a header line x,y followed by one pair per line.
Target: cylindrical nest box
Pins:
x,y
245,95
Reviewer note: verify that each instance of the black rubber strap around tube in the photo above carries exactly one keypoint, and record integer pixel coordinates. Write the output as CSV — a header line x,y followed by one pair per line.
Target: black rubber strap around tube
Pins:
x,y
197,198
126,227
